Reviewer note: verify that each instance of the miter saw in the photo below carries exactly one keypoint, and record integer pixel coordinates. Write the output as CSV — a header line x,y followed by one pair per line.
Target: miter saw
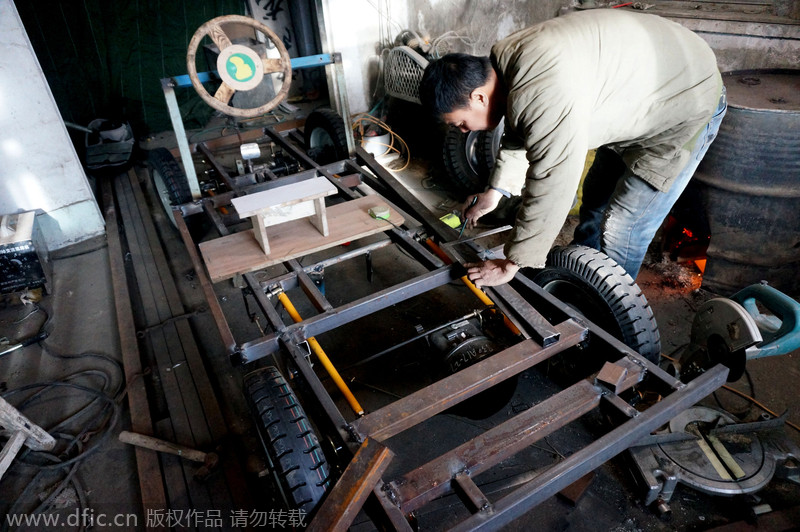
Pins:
x,y
733,331
707,448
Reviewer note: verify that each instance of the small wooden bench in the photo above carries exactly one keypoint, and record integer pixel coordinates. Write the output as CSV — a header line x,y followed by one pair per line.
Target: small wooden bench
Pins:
x,y
305,199
239,253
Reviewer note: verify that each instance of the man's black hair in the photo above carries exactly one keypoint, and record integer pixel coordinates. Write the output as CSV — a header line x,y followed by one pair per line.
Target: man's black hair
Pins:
x,y
448,82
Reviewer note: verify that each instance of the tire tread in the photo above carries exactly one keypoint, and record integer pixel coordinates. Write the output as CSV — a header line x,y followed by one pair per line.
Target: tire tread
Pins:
x,y
289,439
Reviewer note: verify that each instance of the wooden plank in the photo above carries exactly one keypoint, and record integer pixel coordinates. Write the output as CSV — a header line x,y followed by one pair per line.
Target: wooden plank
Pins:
x,y
348,495
150,480
292,194
286,213
240,253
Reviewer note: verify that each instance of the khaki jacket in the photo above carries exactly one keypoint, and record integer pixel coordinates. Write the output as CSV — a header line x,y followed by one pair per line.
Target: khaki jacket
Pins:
x,y
638,83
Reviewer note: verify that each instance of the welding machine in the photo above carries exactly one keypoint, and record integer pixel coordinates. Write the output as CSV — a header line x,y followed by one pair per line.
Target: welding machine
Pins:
x,y
23,256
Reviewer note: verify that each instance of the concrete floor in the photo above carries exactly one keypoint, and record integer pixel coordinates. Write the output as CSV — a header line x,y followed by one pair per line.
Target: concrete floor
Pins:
x,y
79,315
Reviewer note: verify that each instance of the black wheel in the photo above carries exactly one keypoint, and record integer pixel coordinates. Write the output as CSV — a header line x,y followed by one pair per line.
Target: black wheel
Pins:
x,y
488,146
460,157
169,180
292,446
597,287
325,136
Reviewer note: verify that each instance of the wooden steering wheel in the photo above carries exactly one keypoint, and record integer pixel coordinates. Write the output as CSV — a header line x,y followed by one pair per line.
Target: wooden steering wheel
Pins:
x,y
240,67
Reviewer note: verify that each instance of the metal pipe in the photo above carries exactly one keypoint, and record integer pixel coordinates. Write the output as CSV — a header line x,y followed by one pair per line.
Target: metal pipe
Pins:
x,y
593,455
348,255
326,362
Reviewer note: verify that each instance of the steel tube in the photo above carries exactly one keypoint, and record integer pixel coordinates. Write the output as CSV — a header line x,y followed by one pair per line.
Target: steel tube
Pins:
x,y
327,321
215,164
208,289
424,404
318,389
606,337
323,358
432,479
595,454
348,255
530,319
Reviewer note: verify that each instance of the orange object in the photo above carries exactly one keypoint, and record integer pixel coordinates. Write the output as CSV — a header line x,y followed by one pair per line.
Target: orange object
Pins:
x,y
469,284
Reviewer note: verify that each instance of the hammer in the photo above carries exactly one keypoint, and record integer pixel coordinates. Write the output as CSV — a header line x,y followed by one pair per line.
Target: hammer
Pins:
x,y
209,460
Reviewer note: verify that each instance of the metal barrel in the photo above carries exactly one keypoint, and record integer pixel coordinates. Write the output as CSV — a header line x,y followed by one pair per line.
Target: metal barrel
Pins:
x,y
749,183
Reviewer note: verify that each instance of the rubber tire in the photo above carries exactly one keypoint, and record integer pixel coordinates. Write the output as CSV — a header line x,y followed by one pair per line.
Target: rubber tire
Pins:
x,y
292,445
488,146
325,136
169,180
596,286
460,158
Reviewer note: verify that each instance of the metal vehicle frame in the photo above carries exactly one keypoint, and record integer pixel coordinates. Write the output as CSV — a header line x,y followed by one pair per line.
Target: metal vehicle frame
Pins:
x,y
541,339
390,501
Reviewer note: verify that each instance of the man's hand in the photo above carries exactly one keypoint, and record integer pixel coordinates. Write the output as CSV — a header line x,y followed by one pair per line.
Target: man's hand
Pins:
x,y
491,272
486,203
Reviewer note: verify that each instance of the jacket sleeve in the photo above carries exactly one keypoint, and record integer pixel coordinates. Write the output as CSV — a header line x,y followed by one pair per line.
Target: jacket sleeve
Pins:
x,y
510,166
554,127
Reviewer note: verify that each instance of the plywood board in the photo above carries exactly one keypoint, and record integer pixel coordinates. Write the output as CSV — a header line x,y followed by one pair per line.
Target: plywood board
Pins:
x,y
240,253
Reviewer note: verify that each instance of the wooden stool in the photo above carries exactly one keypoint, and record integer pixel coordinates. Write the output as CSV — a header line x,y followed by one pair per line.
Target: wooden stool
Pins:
x,y
23,432
286,203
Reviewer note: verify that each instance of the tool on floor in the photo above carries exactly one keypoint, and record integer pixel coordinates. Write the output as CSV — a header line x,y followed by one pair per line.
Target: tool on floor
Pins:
x,y
25,343
23,432
708,448
209,460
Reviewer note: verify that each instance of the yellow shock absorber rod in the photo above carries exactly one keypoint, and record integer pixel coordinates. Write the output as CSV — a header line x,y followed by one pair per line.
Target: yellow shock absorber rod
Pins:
x,y
475,290
326,362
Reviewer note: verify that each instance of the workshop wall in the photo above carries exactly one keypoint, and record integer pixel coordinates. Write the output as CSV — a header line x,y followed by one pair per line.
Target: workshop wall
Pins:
x,y
105,59
364,30
40,170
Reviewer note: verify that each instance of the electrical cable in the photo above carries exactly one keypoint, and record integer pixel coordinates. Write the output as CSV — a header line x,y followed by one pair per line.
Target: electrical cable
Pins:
x,y
95,420
358,120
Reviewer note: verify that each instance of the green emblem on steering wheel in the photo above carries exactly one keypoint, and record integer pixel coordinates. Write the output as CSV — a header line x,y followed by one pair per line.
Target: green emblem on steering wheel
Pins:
x,y
241,67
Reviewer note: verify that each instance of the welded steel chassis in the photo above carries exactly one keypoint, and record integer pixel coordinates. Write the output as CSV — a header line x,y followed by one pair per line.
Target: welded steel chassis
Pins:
x,y
390,501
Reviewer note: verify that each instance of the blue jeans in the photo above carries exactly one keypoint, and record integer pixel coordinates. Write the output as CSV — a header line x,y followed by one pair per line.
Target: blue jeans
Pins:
x,y
621,213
